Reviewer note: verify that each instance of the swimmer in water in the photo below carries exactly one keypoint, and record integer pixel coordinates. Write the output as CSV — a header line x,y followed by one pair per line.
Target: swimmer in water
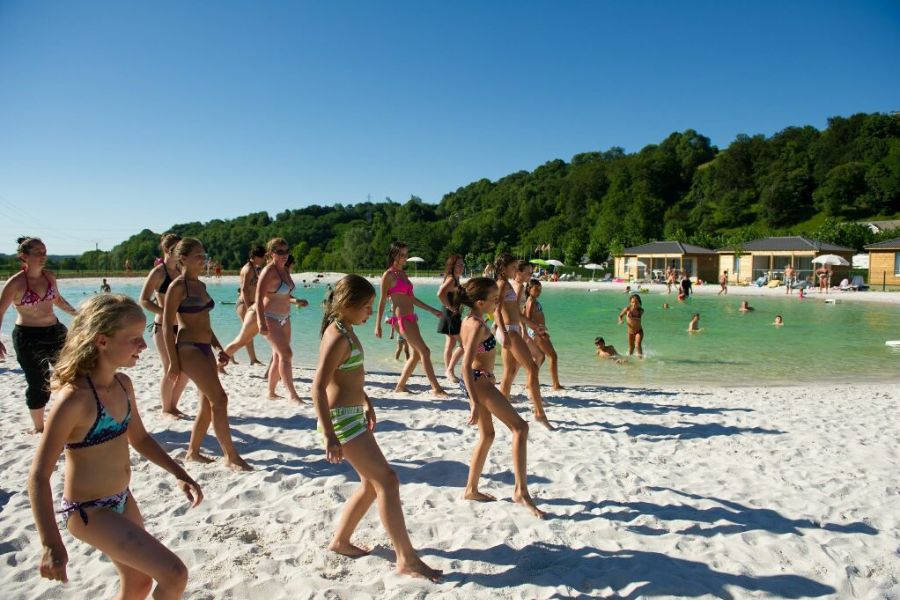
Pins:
x,y
694,326
746,307
779,322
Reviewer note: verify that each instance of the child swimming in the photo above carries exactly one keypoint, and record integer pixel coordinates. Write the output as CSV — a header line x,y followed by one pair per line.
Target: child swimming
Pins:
x,y
778,321
96,420
694,325
347,421
607,351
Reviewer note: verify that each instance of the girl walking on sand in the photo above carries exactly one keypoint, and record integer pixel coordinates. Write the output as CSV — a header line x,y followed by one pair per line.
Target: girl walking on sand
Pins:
x,y
450,322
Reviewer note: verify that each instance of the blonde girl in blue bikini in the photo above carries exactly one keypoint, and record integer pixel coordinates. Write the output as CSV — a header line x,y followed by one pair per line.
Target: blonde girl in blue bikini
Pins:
x,y
96,420
346,422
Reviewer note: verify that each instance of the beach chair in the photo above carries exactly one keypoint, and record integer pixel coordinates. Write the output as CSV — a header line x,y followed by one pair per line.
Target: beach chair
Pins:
x,y
844,286
858,284
607,278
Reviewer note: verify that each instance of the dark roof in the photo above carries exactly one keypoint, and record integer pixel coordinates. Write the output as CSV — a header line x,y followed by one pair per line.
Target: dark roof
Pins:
x,y
667,248
788,243
886,244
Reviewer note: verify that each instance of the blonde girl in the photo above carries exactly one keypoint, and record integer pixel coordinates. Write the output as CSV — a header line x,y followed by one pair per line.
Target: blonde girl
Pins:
x,y
347,420
534,310
450,322
153,299
273,316
396,286
514,351
95,420
38,336
482,296
189,304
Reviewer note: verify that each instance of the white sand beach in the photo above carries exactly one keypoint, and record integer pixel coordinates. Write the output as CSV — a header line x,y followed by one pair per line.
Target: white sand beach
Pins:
x,y
662,493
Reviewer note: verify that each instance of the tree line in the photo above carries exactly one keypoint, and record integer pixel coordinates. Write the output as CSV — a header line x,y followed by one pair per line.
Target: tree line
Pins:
x,y
596,204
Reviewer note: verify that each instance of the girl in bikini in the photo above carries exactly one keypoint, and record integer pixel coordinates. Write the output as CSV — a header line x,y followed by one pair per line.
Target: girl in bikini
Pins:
x,y
535,311
153,299
450,322
188,303
244,306
396,285
273,316
38,336
633,313
272,373
482,296
514,351
347,421
95,421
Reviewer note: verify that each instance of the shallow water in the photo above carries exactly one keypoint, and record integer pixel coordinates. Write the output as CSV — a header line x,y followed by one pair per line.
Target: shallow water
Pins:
x,y
819,343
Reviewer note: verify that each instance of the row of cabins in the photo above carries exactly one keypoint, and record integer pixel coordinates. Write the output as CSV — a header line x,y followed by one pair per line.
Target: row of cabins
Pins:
x,y
765,257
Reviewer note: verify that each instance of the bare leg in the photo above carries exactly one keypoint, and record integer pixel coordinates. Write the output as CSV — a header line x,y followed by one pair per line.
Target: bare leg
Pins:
x,y
355,509
421,351
138,556
523,357
280,338
366,458
412,359
638,341
201,368
546,346
37,419
449,354
169,391
479,455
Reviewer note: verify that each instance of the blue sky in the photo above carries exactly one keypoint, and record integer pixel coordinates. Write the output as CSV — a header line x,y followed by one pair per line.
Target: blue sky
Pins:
x,y
117,116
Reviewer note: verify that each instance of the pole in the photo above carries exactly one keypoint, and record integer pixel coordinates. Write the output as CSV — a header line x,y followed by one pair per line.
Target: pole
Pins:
x,y
883,280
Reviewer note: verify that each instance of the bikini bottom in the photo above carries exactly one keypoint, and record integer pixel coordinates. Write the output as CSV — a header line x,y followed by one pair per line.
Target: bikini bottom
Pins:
x,y
411,317
115,502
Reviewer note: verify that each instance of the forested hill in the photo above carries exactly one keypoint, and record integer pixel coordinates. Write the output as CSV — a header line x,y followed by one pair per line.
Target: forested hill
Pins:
x,y
600,202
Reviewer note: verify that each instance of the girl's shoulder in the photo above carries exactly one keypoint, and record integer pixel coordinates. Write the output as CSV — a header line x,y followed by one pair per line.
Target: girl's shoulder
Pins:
x,y
76,399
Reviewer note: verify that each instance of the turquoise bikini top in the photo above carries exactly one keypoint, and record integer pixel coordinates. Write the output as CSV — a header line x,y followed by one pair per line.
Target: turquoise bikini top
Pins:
x,y
105,428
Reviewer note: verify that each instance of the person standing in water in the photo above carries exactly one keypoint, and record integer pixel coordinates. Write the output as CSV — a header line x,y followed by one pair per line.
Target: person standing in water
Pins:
x,y
38,336
633,314
396,286
153,300
482,296
346,422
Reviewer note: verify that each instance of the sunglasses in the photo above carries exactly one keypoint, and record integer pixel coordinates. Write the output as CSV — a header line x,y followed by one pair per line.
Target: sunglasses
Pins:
x,y
281,252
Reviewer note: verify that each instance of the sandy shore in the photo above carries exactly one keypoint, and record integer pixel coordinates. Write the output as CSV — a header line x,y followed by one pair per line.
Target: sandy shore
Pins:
x,y
672,493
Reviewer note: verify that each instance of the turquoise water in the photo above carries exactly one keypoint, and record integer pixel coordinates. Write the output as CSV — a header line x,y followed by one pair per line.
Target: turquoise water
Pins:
x,y
841,343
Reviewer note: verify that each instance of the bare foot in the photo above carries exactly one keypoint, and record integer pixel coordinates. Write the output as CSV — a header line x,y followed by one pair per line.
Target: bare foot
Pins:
x,y
297,400
273,396
417,568
404,390
543,420
256,362
238,464
197,458
527,502
174,414
478,497
451,376
347,549
440,393
557,388
35,430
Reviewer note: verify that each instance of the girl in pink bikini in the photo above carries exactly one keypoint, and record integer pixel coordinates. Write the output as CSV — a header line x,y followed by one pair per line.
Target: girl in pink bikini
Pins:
x,y
38,335
396,285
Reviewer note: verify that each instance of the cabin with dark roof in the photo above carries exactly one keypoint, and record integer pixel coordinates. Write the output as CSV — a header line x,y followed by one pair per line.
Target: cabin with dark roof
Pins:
x,y
770,256
884,262
657,256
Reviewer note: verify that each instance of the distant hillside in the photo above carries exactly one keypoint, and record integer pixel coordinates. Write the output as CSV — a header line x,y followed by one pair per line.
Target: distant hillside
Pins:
x,y
800,180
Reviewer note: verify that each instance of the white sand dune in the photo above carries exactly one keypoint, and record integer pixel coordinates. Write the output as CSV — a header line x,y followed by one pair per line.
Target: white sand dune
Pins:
x,y
744,493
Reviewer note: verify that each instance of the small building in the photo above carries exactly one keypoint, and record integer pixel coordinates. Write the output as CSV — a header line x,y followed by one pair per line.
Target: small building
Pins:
x,y
881,226
657,256
769,256
884,262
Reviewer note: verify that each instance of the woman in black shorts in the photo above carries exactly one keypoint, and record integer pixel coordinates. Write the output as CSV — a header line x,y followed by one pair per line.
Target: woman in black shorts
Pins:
x,y
451,321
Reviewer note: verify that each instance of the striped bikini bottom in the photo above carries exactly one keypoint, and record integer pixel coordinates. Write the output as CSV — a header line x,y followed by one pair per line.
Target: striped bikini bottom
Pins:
x,y
349,422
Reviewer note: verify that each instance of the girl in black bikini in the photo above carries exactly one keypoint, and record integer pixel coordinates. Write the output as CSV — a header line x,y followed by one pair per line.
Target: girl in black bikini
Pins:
x,y
633,313
157,284
190,304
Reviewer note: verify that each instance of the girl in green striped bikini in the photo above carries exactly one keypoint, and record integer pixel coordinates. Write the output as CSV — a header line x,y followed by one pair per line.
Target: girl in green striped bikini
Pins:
x,y
347,420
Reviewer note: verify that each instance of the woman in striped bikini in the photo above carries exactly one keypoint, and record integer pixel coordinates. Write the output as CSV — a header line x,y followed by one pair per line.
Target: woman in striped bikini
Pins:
x,y
347,420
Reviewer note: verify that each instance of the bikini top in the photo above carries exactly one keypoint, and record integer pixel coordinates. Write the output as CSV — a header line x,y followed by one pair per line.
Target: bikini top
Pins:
x,y
355,360
284,288
256,271
632,314
511,295
195,304
403,286
164,286
30,298
538,306
105,428
489,343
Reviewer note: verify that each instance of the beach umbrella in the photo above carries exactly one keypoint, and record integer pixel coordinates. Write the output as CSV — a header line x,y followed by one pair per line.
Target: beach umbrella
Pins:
x,y
539,261
593,267
417,260
832,259
555,263
635,263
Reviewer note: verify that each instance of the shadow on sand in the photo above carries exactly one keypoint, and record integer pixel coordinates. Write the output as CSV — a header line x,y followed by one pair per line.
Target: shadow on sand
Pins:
x,y
657,433
633,573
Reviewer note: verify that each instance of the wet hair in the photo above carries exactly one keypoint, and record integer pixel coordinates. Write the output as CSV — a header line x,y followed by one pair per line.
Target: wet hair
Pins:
x,y
472,291
695,315
274,243
450,267
502,262
167,241
27,243
351,292
257,251
534,284
638,296
102,314
394,251
186,246
778,317
598,341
